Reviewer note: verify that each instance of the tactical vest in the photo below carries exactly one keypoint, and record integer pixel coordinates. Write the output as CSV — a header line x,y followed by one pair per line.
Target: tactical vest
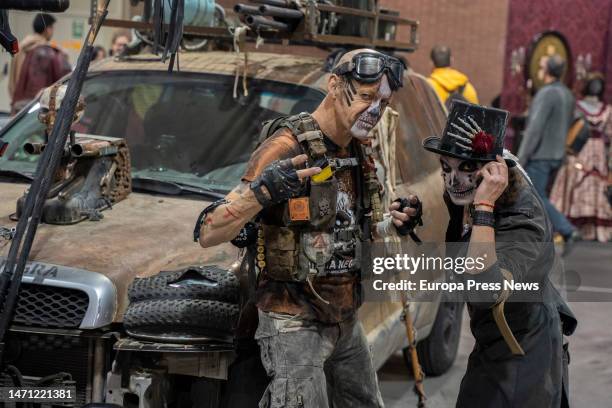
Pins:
x,y
298,238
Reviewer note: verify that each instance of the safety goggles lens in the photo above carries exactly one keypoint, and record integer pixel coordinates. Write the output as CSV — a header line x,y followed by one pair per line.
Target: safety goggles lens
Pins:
x,y
369,66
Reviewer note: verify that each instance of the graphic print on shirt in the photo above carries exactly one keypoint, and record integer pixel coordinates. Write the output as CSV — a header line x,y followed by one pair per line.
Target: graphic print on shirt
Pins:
x,y
343,258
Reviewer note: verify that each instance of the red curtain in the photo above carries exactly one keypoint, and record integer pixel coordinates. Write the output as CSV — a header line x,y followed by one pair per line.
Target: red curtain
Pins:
x,y
586,25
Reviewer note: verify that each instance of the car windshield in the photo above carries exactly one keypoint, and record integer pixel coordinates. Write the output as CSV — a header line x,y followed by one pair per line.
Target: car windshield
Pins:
x,y
181,128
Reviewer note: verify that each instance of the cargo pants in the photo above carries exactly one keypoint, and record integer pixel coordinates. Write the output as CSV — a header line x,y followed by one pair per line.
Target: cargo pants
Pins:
x,y
316,365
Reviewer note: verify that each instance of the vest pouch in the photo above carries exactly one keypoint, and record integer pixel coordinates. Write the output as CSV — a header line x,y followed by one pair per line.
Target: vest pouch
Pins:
x,y
322,204
316,250
281,252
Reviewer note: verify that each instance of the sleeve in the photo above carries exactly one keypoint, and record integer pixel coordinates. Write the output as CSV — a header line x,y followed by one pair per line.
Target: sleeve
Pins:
x,y
281,145
538,114
520,248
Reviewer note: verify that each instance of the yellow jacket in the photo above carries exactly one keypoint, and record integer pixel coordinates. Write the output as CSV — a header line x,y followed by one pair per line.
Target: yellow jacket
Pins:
x,y
446,80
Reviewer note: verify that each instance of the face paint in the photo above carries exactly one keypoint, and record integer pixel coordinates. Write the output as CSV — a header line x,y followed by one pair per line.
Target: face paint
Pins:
x,y
348,91
371,115
460,179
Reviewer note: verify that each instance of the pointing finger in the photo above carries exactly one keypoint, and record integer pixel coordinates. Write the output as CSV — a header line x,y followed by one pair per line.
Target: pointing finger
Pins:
x,y
311,171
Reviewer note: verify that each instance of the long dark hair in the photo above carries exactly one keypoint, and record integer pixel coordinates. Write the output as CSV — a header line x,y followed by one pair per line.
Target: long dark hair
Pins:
x,y
516,182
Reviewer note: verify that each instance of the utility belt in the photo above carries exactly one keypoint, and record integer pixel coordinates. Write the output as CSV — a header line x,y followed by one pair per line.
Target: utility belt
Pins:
x,y
288,254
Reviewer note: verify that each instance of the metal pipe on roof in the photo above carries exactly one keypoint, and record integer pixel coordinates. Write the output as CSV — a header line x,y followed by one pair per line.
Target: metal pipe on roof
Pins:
x,y
246,9
280,12
277,3
256,22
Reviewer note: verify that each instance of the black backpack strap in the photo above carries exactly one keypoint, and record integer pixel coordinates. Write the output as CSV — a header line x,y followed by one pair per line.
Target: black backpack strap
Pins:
x,y
303,127
269,127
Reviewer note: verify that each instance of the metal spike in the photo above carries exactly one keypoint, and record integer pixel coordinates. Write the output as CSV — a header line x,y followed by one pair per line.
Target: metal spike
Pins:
x,y
463,139
474,123
462,130
467,125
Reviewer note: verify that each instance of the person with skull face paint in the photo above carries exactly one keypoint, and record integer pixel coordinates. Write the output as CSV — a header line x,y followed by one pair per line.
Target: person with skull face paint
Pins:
x,y
311,185
519,359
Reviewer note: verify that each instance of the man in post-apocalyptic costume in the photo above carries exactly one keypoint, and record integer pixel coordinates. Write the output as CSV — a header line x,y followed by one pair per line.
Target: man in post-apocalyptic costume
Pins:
x,y
311,188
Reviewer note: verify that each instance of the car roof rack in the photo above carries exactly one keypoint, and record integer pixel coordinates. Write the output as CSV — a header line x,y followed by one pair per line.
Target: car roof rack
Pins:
x,y
300,22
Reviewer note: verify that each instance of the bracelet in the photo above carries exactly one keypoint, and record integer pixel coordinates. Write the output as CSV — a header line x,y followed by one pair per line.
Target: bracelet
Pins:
x,y
483,219
202,217
485,203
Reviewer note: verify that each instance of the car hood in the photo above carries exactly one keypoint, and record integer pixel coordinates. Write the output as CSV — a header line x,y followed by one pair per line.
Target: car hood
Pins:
x,y
140,236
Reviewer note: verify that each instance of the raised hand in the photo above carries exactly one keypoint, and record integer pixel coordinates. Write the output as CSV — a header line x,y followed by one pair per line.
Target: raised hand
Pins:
x,y
494,181
281,180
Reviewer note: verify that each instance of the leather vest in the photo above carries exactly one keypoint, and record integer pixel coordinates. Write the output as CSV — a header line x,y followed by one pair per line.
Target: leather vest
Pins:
x,y
298,238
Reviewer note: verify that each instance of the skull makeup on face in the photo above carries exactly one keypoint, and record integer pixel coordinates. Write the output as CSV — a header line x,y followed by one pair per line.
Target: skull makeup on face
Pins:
x,y
377,102
460,179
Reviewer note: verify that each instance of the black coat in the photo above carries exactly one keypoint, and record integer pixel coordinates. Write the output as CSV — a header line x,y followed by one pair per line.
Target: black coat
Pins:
x,y
495,378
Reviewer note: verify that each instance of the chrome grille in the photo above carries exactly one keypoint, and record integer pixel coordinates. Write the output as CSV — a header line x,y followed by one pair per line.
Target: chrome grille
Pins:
x,y
50,306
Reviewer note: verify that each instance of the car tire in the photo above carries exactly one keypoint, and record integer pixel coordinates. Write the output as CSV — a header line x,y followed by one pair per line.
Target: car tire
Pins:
x,y
438,351
207,282
178,319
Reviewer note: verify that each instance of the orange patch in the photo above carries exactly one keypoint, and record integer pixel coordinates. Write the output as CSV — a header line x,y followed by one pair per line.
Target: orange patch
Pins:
x,y
299,209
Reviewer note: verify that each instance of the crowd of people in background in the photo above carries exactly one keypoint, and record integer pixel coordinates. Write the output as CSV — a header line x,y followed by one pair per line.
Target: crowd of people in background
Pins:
x,y
40,63
573,179
581,189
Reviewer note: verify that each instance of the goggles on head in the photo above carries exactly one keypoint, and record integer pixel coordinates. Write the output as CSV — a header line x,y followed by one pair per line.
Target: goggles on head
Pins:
x,y
369,67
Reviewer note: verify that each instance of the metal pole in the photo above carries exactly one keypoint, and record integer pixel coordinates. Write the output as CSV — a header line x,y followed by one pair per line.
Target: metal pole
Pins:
x,y
417,372
97,394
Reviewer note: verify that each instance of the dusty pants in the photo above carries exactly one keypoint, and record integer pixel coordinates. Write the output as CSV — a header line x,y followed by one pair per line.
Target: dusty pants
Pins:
x,y
316,365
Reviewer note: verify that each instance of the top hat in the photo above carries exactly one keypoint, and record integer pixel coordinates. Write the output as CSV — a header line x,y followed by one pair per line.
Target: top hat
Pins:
x,y
472,132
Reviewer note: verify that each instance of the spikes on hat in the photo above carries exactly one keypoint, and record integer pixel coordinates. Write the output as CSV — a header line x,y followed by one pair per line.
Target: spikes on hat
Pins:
x,y
467,140
474,139
468,126
462,130
473,122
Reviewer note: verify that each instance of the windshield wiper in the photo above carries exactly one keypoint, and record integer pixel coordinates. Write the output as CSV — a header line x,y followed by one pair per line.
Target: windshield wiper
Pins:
x,y
172,187
17,174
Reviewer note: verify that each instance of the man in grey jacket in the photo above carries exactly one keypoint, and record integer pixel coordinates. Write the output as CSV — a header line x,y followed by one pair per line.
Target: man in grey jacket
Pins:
x,y
543,148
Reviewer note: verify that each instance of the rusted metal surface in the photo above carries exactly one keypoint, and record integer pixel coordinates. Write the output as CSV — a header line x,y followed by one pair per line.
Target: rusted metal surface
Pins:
x,y
140,236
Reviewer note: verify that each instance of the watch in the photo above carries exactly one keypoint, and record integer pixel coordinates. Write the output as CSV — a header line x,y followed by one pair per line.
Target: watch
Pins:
x,y
483,218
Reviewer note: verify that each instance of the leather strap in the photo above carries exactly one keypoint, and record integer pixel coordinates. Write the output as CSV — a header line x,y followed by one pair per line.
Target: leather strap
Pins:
x,y
500,319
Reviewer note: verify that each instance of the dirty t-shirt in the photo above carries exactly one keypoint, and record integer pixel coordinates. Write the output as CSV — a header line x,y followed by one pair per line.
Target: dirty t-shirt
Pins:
x,y
338,287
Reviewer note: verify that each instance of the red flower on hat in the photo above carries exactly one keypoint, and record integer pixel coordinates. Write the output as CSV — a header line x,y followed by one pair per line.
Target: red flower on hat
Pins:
x,y
483,142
